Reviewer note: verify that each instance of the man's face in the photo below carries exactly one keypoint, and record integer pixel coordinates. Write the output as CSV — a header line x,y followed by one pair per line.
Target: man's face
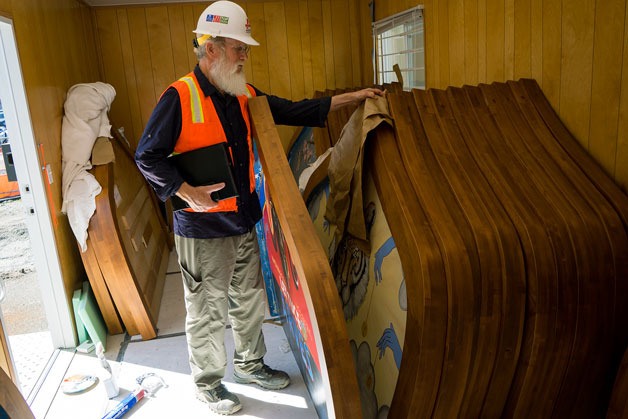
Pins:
x,y
237,53
227,70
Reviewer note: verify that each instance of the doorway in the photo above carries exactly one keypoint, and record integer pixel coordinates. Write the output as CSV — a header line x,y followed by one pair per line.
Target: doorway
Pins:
x,y
32,216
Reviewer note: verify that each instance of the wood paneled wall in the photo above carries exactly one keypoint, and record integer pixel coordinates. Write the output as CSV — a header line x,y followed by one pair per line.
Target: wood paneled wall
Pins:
x,y
55,42
575,49
305,46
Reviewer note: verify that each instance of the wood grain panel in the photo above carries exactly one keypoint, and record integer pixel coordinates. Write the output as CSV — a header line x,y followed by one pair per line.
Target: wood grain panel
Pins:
x,y
139,41
432,54
551,53
295,49
578,18
522,27
482,41
495,40
471,40
602,226
457,58
607,67
5,8
101,293
342,48
160,48
306,52
536,41
355,46
593,258
426,324
513,288
621,162
132,122
277,40
443,40
460,257
180,39
520,201
328,43
509,41
190,19
366,50
317,42
259,55
247,64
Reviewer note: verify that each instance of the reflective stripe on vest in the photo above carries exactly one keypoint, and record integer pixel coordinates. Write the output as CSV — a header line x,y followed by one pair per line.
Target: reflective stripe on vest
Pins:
x,y
196,108
201,127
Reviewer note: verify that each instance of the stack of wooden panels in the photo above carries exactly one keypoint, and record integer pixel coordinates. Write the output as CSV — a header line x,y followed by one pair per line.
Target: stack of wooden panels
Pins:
x,y
128,247
514,249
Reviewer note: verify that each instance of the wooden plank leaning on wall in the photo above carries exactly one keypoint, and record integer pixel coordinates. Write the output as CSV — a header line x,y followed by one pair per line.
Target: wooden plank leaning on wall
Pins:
x,y
310,261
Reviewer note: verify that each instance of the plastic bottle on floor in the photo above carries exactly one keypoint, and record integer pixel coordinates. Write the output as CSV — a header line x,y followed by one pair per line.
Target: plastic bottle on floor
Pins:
x,y
109,380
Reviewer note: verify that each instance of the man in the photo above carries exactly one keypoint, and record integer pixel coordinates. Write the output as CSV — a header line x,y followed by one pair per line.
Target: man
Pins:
x,y
215,241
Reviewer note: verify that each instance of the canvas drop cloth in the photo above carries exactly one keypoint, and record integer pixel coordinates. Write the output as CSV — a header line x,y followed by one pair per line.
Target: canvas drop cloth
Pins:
x,y
85,120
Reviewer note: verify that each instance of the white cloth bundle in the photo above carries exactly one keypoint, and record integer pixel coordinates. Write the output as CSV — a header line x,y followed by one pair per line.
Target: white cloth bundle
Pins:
x,y
85,120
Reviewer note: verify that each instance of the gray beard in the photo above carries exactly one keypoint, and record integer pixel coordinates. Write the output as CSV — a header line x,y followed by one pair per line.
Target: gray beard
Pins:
x,y
226,77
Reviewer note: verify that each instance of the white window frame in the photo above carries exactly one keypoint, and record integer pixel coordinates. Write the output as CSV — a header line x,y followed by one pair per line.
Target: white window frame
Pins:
x,y
392,39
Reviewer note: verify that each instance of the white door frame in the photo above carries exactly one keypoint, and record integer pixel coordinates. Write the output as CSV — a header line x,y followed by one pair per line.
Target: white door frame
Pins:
x,y
32,191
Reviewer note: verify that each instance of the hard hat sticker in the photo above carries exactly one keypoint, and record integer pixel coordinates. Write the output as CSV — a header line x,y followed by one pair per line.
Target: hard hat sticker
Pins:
x,y
217,19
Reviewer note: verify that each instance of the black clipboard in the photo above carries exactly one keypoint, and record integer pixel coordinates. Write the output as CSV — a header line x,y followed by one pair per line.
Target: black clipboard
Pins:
x,y
205,166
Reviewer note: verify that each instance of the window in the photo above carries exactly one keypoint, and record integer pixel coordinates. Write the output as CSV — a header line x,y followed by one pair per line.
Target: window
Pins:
x,y
399,39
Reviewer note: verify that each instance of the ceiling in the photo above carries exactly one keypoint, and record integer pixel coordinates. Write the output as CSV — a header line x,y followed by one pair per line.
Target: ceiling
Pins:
x,y
131,2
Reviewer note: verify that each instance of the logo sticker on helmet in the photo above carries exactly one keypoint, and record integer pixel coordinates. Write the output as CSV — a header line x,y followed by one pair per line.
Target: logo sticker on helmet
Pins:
x,y
217,19
247,26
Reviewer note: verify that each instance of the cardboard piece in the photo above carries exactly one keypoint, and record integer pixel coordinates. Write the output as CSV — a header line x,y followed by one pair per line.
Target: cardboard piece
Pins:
x,y
102,153
344,207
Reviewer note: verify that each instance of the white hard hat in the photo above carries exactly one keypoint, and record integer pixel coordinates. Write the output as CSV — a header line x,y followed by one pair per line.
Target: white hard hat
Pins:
x,y
226,19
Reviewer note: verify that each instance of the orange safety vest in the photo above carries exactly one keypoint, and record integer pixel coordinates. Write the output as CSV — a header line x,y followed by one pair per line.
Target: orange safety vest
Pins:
x,y
201,127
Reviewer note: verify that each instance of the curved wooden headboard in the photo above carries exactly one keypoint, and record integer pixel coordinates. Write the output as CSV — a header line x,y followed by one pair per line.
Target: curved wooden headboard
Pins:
x,y
128,248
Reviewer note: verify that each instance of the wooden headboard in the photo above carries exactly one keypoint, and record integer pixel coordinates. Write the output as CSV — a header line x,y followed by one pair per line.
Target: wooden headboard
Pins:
x,y
128,247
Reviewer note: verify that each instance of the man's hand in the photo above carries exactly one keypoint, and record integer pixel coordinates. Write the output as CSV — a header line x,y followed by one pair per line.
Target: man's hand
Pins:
x,y
199,197
356,97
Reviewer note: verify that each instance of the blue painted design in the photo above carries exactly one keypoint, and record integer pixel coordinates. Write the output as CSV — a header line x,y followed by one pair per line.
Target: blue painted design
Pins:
x,y
267,274
381,253
390,340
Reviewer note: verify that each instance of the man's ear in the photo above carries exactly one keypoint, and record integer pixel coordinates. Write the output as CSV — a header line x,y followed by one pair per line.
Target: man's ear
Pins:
x,y
212,49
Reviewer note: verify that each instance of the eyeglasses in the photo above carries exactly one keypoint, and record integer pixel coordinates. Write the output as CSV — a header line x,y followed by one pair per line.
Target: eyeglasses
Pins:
x,y
242,49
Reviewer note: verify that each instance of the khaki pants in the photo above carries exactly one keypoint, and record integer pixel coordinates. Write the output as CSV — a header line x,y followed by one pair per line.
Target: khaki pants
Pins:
x,y
222,277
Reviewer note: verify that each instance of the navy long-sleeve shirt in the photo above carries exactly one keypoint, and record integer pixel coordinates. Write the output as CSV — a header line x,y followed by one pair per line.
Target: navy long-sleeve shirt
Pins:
x,y
161,134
